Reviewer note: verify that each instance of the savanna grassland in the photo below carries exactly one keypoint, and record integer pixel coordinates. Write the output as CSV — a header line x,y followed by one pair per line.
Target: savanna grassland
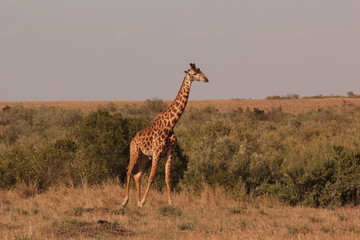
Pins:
x,y
243,169
290,105
95,213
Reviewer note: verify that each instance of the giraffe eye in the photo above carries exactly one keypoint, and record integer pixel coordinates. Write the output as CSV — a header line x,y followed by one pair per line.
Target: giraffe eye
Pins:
x,y
195,74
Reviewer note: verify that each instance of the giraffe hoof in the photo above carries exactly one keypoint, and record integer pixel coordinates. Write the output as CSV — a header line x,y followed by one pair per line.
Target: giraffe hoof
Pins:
x,y
141,204
124,202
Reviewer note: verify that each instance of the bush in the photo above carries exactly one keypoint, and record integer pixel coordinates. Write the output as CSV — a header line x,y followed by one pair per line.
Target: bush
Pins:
x,y
147,111
18,166
48,166
104,141
270,152
57,164
22,126
308,159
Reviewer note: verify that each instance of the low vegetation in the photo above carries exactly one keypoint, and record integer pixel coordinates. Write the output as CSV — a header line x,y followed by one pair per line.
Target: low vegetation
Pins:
x,y
309,159
242,174
297,96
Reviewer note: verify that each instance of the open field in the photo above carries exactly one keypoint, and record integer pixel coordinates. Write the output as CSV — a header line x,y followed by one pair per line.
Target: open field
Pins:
x,y
95,213
288,105
309,159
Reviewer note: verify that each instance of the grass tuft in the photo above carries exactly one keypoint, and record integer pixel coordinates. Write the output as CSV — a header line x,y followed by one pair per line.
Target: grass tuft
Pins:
x,y
238,210
342,218
24,238
119,211
186,226
296,230
314,220
77,211
170,210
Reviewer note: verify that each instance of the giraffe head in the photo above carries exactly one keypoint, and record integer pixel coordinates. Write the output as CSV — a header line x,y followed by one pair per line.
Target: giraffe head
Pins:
x,y
195,74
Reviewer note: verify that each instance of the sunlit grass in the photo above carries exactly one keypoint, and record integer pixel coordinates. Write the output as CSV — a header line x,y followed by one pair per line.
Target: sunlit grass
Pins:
x,y
96,213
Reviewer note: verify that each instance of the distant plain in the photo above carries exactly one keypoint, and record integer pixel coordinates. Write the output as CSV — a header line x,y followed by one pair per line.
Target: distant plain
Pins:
x,y
294,106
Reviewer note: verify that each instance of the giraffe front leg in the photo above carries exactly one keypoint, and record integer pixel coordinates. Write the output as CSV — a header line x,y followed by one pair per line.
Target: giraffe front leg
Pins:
x,y
154,164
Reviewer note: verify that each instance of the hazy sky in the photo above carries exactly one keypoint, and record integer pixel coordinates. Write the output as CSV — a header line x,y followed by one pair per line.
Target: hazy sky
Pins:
x,y
136,50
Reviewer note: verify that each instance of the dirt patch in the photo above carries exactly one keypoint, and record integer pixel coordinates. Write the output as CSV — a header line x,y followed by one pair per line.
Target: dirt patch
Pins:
x,y
76,229
78,211
4,226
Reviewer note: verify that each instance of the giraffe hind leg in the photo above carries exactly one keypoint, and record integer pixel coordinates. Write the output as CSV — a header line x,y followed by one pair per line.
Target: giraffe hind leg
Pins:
x,y
143,161
169,159
134,158
155,160
167,175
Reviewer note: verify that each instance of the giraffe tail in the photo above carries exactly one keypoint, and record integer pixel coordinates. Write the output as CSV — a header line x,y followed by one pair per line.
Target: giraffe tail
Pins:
x,y
122,177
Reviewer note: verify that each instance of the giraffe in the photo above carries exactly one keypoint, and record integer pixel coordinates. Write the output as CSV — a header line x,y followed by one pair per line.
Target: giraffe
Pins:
x,y
158,140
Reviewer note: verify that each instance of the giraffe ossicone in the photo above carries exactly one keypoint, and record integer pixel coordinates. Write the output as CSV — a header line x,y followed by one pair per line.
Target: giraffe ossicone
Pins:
x,y
158,140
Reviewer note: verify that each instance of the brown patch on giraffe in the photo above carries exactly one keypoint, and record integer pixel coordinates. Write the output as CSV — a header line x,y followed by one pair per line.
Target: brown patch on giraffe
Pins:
x,y
174,111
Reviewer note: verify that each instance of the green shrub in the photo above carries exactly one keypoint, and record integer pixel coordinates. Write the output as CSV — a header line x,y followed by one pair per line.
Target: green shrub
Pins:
x,y
308,159
104,141
147,111
47,166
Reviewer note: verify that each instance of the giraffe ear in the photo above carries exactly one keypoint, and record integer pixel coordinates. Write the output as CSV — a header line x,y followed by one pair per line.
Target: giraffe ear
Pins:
x,y
186,72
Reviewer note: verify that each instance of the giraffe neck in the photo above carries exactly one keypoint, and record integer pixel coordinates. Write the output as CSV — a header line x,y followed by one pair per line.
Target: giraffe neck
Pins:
x,y
171,116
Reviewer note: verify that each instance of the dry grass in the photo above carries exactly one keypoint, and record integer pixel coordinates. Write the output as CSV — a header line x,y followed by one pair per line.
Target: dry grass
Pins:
x,y
288,105
95,213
